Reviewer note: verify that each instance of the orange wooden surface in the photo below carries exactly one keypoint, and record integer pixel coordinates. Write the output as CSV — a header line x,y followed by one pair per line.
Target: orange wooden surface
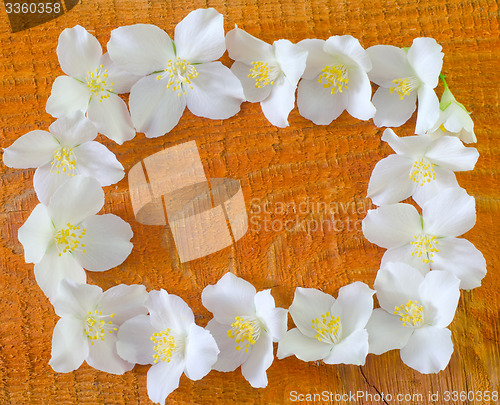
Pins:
x,y
303,163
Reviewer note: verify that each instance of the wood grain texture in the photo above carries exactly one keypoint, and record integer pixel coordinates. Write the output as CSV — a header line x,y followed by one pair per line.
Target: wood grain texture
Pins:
x,y
302,163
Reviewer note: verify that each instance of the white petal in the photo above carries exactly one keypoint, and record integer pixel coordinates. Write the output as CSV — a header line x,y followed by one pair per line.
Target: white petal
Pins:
x,y
73,129
317,103
428,109
359,95
429,350
245,48
78,52
134,340
260,359
440,293
199,37
107,242
461,257
122,81
386,332
404,254
229,358
280,102
354,305
391,226
216,93
414,147
388,63
77,199
67,95
291,58
426,58
449,152
351,350
349,46
169,311
303,347
103,357
200,353
46,182
391,111
54,268
163,378
452,212
390,181
69,345
140,49
230,297
309,304
95,160
251,93
33,149
36,234
396,284
275,319
75,299
445,178
317,58
111,118
125,301
155,110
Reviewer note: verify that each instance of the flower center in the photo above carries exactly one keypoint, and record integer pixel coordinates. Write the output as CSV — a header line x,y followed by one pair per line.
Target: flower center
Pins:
x,y
165,346
97,325
180,73
404,87
64,161
328,328
263,74
96,82
70,238
245,328
425,247
335,77
410,314
422,172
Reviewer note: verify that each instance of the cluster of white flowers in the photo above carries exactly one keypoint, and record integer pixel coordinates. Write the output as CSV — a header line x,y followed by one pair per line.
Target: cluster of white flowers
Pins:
x,y
421,272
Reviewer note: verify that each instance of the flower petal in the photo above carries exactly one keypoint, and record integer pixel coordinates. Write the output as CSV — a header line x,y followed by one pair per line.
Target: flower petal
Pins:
x,y
75,299
46,182
33,149
280,102
391,110
67,95
260,359
155,110
95,160
359,95
449,152
291,58
163,378
392,226
413,147
216,93
104,357
349,46
463,259
303,347
428,350
245,48
351,350
69,345
428,109
122,81
404,254
317,58
36,234
199,37
251,92
169,311
386,332
107,242
309,304
200,353
452,212
140,49
426,58
73,129
125,301
389,63
78,52
230,297
134,340
274,318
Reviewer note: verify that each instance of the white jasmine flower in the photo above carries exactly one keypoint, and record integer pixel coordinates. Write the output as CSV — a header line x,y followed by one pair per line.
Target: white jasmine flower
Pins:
x,y
415,313
328,329
421,167
245,324
65,236
90,320
403,76
429,241
177,73
269,73
335,79
66,150
92,85
169,340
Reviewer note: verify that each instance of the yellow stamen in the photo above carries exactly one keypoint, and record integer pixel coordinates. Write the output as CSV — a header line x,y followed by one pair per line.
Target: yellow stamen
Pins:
x,y
335,77
165,346
411,314
263,74
425,247
328,328
180,74
97,324
245,329
422,172
69,239
64,161
404,86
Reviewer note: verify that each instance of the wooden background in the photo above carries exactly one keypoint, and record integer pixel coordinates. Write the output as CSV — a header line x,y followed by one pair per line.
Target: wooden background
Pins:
x,y
302,163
